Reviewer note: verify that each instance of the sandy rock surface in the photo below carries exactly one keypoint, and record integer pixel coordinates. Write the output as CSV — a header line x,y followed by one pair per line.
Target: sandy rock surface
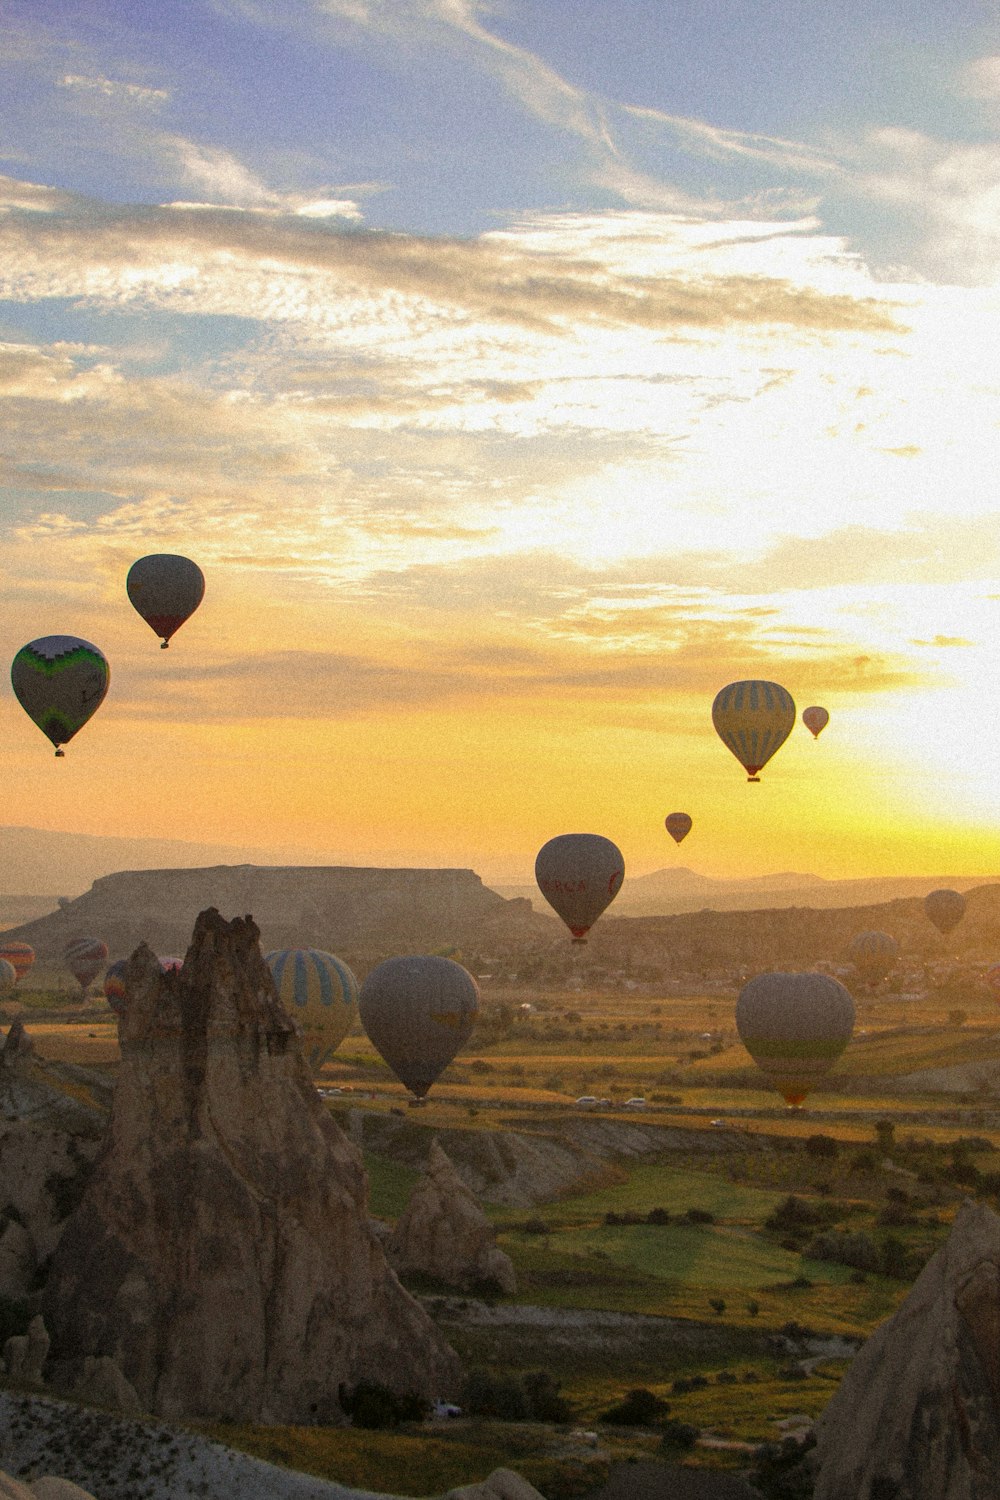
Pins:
x,y
444,1233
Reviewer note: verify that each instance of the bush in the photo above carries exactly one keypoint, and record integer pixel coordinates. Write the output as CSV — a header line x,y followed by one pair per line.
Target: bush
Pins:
x,y
678,1434
781,1474
532,1397
793,1213
534,1226
717,1305
699,1216
372,1405
858,1250
640,1408
864,1161
658,1216
822,1146
545,1404
479,1066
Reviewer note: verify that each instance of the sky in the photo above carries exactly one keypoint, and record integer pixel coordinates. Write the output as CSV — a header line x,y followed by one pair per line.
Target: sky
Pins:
x,y
519,374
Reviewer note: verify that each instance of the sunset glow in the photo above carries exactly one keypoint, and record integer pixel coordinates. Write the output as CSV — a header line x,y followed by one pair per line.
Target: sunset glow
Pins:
x,y
513,397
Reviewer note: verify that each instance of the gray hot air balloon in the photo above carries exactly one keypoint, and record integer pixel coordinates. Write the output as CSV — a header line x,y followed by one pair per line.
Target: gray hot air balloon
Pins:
x,y
945,909
794,1026
166,589
579,874
873,955
418,1012
59,681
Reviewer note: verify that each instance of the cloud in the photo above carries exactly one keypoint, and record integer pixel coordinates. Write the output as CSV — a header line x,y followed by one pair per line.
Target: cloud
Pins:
x,y
110,88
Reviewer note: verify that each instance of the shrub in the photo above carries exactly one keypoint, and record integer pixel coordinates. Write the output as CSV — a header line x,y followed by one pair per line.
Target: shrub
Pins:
x,y
822,1146
534,1226
753,1308
545,1404
371,1405
858,1250
699,1216
500,1396
793,1213
717,1305
864,1161
658,1216
678,1434
479,1066
640,1408
726,1377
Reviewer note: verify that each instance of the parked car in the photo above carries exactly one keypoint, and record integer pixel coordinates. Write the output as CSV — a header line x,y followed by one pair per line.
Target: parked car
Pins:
x,y
636,1103
587,1101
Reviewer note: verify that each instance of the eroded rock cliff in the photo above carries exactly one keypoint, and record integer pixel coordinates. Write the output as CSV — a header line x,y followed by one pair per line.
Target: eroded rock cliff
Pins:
x,y
917,1415
221,1254
444,1233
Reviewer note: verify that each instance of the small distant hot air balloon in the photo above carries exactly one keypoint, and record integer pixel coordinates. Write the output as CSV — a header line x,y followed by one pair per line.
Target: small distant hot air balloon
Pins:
x,y
945,909
20,955
8,975
114,985
873,955
579,874
678,825
418,1012
753,719
85,958
320,992
171,964
166,589
794,1026
992,977
59,681
816,720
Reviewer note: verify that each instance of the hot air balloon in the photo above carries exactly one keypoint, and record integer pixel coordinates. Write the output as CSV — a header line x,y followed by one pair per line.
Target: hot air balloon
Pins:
x,y
579,874
85,958
873,955
678,825
8,975
59,681
945,909
794,1026
417,1013
320,992
753,719
20,955
166,590
171,965
114,985
816,720
992,977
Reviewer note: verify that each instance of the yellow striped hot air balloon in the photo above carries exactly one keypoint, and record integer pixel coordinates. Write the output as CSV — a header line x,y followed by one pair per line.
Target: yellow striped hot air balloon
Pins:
x,y
753,719
320,992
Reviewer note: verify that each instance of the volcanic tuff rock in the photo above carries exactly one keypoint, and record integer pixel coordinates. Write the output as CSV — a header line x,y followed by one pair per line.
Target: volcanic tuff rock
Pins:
x,y
221,1253
344,910
917,1415
444,1233
52,1118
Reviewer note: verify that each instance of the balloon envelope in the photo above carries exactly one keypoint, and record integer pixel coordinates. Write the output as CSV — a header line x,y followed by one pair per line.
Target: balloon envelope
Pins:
x,y
85,958
20,955
753,719
945,909
418,1012
166,589
114,985
8,975
873,955
794,1026
816,720
579,874
321,993
59,681
678,825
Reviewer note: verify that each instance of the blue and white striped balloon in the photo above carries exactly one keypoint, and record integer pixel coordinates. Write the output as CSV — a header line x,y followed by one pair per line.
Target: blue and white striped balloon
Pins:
x,y
320,992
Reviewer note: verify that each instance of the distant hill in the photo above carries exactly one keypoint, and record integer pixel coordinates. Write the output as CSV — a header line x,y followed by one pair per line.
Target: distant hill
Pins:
x,y
35,861
362,914
671,891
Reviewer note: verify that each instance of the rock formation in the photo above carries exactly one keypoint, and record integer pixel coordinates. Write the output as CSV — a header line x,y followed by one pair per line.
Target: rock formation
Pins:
x,y
52,1118
350,911
221,1254
46,1488
917,1415
444,1233
24,1355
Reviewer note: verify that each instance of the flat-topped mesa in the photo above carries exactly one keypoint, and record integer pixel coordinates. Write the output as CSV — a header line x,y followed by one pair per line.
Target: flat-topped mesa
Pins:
x,y
221,1253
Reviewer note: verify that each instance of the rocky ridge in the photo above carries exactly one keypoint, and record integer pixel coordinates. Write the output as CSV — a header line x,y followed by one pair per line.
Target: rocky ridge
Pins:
x,y
221,1253
917,1415
443,1233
